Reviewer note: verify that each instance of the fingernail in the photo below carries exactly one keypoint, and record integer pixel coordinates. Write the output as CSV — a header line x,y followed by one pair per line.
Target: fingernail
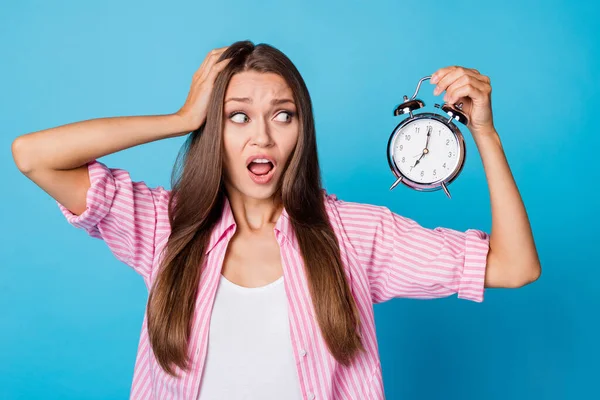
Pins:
x,y
433,79
436,91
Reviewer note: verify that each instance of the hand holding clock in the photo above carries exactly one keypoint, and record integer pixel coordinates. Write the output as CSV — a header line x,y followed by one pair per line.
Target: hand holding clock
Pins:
x,y
467,86
442,159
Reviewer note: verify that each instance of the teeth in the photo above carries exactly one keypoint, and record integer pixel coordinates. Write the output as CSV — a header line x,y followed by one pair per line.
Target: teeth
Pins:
x,y
261,160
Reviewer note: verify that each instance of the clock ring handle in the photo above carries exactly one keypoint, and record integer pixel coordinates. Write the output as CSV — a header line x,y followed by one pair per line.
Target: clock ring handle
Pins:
x,y
419,86
458,106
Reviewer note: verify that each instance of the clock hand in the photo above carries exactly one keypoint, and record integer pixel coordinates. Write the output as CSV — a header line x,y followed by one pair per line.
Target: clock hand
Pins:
x,y
428,136
419,160
426,149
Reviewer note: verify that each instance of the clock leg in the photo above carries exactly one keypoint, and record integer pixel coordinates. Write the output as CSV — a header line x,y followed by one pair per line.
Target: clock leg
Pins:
x,y
446,190
396,183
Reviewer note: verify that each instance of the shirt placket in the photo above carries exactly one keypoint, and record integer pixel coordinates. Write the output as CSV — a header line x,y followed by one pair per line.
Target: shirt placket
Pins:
x,y
300,334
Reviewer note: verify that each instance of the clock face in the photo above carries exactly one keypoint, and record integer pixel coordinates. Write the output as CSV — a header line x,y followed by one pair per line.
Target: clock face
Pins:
x,y
426,151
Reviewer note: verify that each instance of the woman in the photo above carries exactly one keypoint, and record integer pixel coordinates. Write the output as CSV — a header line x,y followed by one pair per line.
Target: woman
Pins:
x,y
261,285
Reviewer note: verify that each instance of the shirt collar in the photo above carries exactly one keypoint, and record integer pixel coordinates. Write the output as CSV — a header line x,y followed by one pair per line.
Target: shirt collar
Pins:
x,y
226,222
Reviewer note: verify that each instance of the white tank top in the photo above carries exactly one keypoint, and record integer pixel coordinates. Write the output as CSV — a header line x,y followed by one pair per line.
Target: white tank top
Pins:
x,y
250,352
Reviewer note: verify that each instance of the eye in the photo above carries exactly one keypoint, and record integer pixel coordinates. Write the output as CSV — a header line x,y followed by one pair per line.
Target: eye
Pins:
x,y
238,117
289,115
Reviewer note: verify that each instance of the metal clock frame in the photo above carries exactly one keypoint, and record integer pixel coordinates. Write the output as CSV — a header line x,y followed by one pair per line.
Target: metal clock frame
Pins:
x,y
455,112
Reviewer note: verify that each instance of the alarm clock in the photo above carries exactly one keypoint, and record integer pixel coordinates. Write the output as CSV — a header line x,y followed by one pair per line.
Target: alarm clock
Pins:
x,y
426,151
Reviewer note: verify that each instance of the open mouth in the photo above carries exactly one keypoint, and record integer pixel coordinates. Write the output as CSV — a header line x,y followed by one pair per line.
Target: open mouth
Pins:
x,y
261,170
260,167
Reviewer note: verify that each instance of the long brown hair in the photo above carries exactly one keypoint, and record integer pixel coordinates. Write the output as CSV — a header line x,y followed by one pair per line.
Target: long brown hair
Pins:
x,y
196,202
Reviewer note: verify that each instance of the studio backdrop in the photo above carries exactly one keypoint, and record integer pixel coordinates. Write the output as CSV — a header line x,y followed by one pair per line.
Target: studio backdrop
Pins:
x,y
71,313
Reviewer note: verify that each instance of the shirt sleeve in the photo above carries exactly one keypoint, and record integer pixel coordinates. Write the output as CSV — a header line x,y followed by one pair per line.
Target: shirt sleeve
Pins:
x,y
123,214
405,259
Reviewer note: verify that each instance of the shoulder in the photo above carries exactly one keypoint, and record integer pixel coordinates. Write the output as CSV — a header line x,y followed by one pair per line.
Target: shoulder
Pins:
x,y
351,211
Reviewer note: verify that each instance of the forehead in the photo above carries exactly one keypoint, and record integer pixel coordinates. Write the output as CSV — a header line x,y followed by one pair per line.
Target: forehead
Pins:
x,y
258,86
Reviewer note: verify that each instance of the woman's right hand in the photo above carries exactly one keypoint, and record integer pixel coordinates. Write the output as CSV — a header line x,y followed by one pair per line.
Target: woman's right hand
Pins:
x,y
196,104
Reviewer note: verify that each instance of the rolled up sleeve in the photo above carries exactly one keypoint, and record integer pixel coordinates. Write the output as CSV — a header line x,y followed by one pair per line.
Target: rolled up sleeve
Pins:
x,y
122,213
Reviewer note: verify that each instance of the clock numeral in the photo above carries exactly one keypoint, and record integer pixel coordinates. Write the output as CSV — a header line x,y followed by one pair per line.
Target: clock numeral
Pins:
x,y
449,154
407,137
447,142
434,173
444,165
403,159
422,173
401,147
417,129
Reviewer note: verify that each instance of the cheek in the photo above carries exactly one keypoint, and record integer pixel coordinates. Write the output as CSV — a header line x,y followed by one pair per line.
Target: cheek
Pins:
x,y
229,155
290,142
232,146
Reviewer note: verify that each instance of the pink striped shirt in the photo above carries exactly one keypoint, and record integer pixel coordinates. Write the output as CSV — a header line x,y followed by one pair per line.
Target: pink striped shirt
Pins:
x,y
384,254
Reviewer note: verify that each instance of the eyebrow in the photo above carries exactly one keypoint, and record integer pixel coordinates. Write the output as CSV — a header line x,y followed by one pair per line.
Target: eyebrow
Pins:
x,y
249,100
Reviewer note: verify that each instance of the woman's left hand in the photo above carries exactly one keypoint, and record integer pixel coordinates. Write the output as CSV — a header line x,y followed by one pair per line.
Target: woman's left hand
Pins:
x,y
467,86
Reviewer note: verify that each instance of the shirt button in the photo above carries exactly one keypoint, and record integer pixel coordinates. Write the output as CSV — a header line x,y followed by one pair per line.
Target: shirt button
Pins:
x,y
302,352
311,396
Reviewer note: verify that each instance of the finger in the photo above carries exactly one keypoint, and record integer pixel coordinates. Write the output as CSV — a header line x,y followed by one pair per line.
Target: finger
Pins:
x,y
208,60
471,89
218,67
466,79
483,88
440,73
446,76
478,75
211,60
204,62
222,64
448,79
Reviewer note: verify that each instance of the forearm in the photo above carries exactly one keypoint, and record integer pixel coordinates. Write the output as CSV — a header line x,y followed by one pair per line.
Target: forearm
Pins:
x,y
513,258
72,145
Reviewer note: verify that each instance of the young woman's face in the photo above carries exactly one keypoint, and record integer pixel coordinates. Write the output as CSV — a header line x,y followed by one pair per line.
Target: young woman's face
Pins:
x,y
260,119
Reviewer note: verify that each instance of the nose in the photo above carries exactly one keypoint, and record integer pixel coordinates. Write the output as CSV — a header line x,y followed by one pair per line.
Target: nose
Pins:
x,y
262,135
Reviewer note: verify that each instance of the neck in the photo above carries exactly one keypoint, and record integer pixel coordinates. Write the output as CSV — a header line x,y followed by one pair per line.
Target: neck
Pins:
x,y
254,215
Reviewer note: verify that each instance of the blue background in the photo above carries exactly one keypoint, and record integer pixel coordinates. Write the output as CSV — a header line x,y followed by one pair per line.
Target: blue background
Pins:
x,y
71,313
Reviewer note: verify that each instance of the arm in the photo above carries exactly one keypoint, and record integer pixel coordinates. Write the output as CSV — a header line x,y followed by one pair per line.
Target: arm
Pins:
x,y
56,159
73,145
103,201
512,260
401,258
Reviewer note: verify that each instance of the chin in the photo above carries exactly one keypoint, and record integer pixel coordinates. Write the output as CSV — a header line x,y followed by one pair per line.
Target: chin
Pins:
x,y
253,190
261,194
